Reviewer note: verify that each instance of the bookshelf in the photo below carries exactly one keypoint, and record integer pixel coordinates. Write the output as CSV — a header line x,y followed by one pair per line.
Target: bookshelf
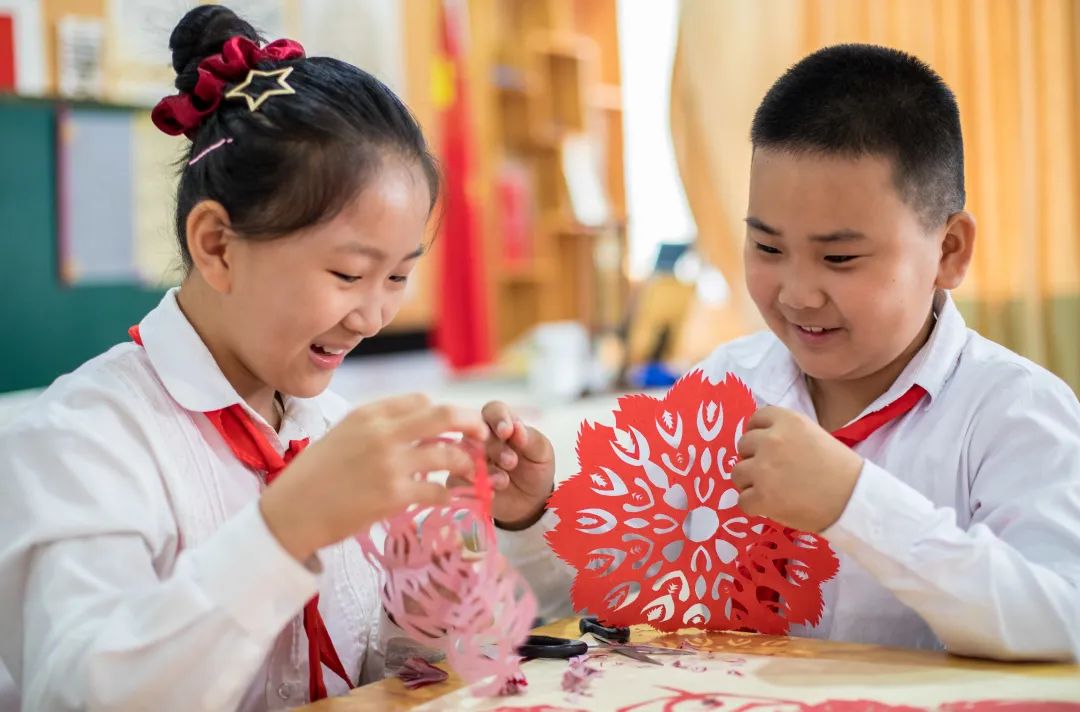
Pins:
x,y
554,74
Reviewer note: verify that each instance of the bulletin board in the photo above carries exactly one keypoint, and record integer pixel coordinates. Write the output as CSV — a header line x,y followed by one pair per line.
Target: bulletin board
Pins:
x,y
48,328
53,321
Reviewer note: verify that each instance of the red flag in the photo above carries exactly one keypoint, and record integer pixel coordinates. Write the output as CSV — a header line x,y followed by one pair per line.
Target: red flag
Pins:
x,y
462,320
7,52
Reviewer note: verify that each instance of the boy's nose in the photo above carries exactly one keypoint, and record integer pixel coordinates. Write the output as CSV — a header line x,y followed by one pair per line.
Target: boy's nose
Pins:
x,y
799,295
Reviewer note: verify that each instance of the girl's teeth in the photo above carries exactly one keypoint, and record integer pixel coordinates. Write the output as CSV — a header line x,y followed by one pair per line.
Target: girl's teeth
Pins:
x,y
329,351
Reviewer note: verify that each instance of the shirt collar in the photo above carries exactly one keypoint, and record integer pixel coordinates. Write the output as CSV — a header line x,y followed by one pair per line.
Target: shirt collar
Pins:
x,y
194,380
937,359
930,368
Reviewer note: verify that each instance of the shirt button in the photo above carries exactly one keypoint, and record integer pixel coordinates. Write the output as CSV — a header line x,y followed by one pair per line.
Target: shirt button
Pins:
x,y
283,691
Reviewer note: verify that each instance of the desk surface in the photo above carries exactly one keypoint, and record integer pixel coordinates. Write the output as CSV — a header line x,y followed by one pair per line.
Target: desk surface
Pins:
x,y
391,695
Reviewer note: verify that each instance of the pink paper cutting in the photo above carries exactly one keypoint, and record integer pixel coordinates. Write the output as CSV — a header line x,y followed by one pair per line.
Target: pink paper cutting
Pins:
x,y
448,587
652,524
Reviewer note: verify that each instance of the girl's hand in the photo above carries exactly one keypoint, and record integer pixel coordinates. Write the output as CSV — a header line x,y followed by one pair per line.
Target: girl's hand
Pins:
x,y
366,469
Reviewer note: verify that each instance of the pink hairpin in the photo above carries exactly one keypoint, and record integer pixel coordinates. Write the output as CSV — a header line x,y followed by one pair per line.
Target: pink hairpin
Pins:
x,y
209,149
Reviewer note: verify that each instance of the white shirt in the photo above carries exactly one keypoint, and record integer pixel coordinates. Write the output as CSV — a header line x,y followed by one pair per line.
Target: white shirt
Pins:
x,y
963,531
136,571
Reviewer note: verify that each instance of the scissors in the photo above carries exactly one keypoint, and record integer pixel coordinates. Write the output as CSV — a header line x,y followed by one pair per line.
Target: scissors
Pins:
x,y
608,638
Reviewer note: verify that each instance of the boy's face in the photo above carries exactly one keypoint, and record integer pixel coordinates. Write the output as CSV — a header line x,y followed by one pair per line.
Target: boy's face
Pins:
x,y
840,267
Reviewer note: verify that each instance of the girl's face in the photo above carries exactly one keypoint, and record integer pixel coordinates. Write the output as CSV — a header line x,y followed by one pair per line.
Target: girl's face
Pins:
x,y
298,304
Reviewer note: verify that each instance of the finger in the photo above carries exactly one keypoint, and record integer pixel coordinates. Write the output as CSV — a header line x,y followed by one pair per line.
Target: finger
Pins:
x,y
749,443
751,503
497,452
505,459
425,494
763,418
398,405
500,479
531,443
439,456
460,481
436,420
742,476
499,419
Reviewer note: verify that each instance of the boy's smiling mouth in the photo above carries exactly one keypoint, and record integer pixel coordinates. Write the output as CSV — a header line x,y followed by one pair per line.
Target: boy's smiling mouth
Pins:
x,y
813,334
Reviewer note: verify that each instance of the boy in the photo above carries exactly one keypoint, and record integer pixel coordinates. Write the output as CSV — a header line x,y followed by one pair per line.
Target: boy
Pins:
x,y
943,468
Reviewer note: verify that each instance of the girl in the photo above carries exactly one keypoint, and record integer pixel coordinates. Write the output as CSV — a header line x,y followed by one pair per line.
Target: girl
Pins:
x,y
150,557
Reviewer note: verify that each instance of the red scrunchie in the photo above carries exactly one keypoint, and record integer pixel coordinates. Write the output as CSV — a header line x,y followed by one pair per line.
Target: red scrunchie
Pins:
x,y
183,113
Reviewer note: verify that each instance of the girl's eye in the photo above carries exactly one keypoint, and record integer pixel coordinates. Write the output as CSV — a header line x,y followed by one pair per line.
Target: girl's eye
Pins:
x,y
840,259
347,278
766,249
399,278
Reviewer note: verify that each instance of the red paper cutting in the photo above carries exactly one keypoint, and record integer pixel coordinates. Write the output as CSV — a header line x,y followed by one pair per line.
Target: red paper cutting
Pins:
x,y
652,524
448,587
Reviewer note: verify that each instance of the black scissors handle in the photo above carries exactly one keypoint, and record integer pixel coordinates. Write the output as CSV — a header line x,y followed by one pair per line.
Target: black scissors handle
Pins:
x,y
547,646
613,634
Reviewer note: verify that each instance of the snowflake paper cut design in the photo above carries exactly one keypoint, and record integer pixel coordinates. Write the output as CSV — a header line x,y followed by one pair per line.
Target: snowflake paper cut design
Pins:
x,y
448,587
652,524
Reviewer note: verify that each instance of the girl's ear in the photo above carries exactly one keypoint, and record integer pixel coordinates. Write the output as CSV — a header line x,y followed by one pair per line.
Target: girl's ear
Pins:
x,y
210,240
957,247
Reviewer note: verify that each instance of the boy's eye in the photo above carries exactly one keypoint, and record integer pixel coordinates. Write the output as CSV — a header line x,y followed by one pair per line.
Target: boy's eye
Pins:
x,y
767,249
840,259
347,278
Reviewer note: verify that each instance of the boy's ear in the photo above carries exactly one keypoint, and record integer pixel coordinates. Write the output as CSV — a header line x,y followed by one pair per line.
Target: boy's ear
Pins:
x,y
957,247
209,238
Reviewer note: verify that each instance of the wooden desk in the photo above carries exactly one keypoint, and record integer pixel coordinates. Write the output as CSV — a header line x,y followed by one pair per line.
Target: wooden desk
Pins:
x,y
391,695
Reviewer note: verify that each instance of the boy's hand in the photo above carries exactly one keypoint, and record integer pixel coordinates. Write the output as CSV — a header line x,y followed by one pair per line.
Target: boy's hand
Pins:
x,y
521,463
793,471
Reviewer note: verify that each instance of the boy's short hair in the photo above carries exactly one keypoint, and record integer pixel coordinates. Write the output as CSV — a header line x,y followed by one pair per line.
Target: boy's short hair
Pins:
x,y
857,100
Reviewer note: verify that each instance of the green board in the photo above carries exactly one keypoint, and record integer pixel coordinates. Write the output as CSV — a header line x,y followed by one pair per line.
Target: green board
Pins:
x,y
48,328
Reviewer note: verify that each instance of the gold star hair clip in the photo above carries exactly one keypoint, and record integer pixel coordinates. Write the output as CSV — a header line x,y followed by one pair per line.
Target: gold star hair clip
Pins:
x,y
282,87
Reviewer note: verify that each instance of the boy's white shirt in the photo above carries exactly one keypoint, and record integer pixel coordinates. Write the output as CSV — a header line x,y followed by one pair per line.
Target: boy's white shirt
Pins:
x,y
963,531
136,571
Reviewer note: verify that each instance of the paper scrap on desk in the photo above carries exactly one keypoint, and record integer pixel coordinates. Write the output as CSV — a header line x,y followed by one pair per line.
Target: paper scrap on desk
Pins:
x,y
579,675
652,524
468,603
417,672
779,684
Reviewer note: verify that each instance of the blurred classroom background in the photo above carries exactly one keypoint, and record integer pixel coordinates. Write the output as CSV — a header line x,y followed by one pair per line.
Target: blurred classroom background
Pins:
x,y
604,160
